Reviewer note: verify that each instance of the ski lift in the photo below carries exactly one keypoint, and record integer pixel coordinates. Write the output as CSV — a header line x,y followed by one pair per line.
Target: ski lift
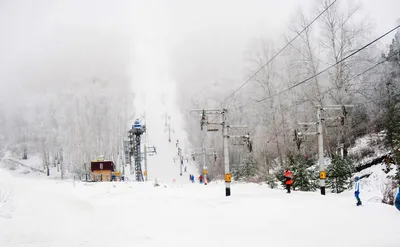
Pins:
x,y
193,157
250,146
203,119
213,127
248,142
344,112
298,135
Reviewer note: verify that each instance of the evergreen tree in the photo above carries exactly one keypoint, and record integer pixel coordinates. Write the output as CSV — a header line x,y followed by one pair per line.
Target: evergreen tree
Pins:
x,y
303,174
247,169
339,174
301,182
397,162
392,104
314,177
271,181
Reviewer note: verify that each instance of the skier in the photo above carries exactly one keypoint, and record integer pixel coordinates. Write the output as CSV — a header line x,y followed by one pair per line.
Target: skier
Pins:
x,y
201,179
190,177
156,183
357,190
289,180
397,201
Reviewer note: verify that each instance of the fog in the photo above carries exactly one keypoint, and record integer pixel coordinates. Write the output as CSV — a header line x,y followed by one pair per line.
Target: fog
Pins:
x,y
66,65
212,47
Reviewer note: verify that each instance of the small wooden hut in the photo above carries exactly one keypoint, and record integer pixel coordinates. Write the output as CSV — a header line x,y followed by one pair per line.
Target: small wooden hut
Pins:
x,y
102,170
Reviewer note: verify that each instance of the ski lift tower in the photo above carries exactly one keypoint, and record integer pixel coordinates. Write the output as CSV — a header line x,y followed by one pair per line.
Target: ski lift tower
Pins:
x,y
134,136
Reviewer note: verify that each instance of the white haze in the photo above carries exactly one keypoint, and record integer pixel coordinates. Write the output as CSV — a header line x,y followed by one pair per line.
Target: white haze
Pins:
x,y
155,90
213,38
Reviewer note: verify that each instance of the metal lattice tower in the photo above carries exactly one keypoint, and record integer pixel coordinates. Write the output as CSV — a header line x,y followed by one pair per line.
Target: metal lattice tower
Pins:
x,y
135,134
138,158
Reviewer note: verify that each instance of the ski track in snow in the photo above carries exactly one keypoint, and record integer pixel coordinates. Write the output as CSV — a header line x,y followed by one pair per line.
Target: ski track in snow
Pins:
x,y
54,213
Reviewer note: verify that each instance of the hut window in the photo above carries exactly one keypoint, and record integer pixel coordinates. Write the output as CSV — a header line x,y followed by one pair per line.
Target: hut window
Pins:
x,y
101,166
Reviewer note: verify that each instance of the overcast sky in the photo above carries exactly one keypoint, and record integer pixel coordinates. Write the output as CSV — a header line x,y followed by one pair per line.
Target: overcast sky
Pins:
x,y
44,41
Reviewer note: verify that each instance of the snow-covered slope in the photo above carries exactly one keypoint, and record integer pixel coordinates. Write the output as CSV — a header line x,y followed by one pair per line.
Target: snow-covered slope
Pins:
x,y
369,149
47,212
373,186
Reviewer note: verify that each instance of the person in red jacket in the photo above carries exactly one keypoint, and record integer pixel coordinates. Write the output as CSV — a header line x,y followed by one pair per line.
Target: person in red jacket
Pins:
x,y
289,180
201,179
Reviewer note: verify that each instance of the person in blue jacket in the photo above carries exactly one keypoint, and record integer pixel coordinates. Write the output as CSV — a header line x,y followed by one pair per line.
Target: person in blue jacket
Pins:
x,y
357,190
397,201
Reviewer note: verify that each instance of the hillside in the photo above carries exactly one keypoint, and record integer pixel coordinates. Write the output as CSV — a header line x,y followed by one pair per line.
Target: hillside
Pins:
x,y
370,163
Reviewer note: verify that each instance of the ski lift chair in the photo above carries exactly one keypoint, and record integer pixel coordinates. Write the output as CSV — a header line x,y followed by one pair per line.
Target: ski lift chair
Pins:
x,y
213,127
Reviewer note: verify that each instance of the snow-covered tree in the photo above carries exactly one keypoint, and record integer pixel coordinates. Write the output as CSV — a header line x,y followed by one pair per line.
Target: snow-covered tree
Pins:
x,y
246,169
279,175
397,163
271,181
392,83
303,174
339,174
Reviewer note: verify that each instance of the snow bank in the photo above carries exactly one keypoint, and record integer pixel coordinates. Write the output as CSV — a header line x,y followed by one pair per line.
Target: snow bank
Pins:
x,y
373,185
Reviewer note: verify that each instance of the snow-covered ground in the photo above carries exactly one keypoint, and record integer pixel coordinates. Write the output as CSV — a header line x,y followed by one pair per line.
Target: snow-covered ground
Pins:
x,y
47,212
373,186
366,149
